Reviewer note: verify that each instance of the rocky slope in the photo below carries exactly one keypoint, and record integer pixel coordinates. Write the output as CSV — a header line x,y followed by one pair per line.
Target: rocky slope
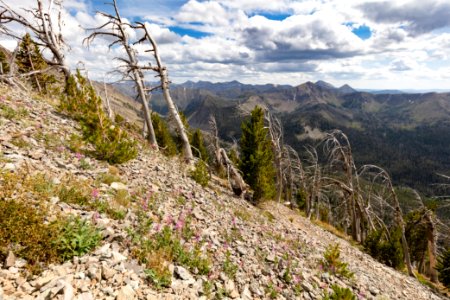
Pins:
x,y
254,253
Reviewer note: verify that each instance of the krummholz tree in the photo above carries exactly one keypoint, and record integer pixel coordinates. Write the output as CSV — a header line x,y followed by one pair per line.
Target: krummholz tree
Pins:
x,y
117,28
257,156
29,60
45,22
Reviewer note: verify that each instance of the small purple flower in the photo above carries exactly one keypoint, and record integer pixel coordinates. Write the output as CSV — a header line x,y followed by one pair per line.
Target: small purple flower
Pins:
x,y
144,204
157,227
197,236
95,193
180,223
169,220
61,148
78,155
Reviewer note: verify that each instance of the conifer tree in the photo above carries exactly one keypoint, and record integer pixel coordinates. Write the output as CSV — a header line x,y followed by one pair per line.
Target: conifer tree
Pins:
x,y
198,145
443,267
257,156
4,65
29,59
163,136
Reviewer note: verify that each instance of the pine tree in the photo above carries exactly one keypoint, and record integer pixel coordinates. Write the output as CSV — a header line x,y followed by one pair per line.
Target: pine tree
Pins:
x,y
4,63
257,156
198,145
163,136
443,267
28,59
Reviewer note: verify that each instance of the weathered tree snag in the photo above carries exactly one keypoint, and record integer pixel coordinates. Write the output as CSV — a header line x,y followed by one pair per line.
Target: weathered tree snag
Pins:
x,y
46,30
118,31
276,138
235,180
162,73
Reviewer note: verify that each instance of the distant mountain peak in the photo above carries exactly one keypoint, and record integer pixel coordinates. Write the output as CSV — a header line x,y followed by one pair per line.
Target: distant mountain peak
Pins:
x,y
346,89
325,85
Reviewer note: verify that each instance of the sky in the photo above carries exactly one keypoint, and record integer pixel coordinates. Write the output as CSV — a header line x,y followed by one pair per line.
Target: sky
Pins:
x,y
396,44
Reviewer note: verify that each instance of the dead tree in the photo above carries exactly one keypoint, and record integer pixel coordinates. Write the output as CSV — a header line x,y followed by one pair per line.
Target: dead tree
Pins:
x,y
340,156
164,78
46,24
383,178
116,28
275,130
234,177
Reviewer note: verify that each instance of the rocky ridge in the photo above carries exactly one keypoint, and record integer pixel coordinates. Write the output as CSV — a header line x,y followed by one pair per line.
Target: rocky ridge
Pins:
x,y
255,253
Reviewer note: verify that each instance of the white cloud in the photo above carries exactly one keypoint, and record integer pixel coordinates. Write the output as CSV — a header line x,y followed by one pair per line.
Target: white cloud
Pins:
x,y
313,40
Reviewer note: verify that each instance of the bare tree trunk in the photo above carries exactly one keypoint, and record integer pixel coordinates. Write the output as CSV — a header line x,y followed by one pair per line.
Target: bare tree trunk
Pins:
x,y
107,103
432,252
133,70
162,70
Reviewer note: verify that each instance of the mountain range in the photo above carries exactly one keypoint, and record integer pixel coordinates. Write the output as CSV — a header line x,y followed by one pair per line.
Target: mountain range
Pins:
x,y
408,134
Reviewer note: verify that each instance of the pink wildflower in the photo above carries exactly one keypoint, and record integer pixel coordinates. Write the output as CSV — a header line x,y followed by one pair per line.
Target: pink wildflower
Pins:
x,y
78,155
95,193
157,227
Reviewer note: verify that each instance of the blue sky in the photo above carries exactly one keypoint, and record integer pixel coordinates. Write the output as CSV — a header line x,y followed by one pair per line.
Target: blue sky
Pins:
x,y
399,44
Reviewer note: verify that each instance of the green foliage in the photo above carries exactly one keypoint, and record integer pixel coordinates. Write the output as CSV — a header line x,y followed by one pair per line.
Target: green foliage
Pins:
x,y
271,291
200,174
111,143
415,233
339,293
332,264
22,230
234,156
28,59
167,245
387,250
198,146
12,114
300,198
163,136
4,62
159,278
77,237
443,268
229,268
23,226
257,156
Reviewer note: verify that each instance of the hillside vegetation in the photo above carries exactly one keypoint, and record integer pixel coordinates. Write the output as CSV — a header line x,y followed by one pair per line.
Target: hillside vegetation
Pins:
x,y
161,235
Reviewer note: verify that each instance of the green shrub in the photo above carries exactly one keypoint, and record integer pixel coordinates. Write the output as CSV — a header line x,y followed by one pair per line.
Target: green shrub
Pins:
x,y
4,63
28,59
339,293
229,268
76,238
163,136
198,146
387,250
200,174
23,231
111,143
443,268
331,262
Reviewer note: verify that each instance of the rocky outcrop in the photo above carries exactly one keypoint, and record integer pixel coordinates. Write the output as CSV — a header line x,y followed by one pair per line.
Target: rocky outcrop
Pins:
x,y
255,253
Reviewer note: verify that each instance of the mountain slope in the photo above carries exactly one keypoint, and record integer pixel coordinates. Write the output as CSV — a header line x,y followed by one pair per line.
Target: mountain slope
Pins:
x,y
250,251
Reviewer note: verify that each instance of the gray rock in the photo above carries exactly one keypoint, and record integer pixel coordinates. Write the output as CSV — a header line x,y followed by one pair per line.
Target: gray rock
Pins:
x,y
242,250
10,260
270,258
85,296
107,273
183,273
118,186
126,293
307,286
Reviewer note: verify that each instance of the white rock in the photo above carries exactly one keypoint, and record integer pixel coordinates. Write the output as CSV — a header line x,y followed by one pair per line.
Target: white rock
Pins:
x,y
126,293
9,167
118,186
183,273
